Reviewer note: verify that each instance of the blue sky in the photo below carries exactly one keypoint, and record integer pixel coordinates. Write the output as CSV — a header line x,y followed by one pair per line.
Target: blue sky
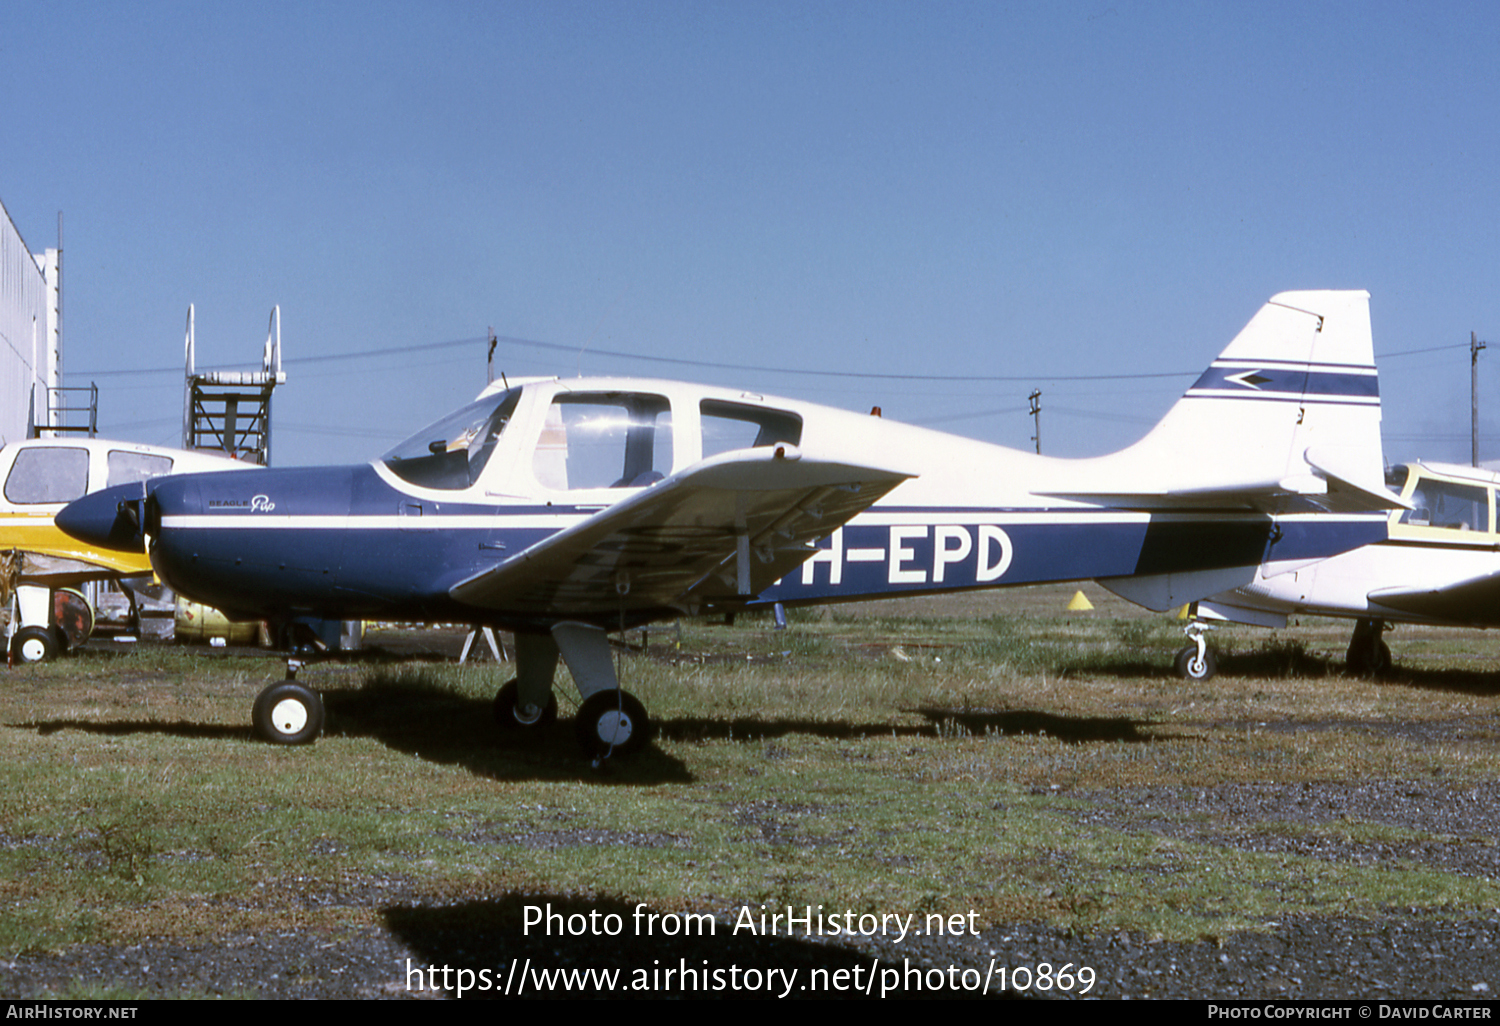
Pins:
x,y
1032,190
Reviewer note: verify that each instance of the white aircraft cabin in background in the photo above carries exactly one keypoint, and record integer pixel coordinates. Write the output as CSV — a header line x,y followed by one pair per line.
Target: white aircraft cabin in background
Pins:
x,y
1440,566
565,509
41,564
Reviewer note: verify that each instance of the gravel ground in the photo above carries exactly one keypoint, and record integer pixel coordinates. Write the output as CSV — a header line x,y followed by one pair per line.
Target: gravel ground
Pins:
x,y
1406,956
1313,959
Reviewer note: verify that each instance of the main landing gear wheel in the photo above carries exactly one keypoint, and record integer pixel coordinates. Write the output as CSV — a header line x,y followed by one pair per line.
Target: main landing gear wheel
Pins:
x,y
1191,666
511,716
286,713
34,645
1368,653
612,721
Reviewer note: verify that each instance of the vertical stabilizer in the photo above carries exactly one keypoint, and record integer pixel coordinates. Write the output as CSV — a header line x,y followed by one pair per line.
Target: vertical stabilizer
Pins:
x,y
1287,417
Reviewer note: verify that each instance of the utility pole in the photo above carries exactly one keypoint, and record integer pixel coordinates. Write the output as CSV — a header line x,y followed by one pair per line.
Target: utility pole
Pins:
x,y
1474,347
1036,416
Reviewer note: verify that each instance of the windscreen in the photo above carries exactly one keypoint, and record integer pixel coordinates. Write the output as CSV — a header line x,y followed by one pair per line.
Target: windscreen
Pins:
x,y
450,454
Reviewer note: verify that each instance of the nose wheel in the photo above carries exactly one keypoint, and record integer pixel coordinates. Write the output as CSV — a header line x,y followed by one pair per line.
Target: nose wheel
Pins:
x,y
286,713
34,645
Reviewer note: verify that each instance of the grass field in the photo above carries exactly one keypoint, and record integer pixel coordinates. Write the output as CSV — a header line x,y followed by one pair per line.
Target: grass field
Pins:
x,y
995,755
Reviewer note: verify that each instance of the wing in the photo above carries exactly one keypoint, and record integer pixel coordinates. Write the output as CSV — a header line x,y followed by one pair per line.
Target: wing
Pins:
x,y
1475,601
722,530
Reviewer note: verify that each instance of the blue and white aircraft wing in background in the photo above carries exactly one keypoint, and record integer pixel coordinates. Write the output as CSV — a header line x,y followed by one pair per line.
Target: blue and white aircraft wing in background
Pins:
x,y
564,509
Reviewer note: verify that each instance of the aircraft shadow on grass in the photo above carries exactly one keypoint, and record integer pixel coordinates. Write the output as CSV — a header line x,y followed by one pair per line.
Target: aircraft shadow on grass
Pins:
x,y
183,729
434,723
1071,729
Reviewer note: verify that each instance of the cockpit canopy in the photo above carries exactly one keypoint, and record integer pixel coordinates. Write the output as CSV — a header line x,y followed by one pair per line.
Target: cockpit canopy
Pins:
x,y
587,438
1460,500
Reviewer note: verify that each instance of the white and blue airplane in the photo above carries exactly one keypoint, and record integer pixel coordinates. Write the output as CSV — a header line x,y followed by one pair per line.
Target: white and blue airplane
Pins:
x,y
1439,566
562,510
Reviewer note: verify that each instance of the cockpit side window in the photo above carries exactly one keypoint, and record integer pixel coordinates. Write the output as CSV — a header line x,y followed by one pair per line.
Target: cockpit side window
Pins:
x,y
127,467
1457,507
604,440
48,474
451,454
730,426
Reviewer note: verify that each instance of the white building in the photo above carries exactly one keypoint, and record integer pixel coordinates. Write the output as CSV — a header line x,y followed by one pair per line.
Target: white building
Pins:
x,y
30,332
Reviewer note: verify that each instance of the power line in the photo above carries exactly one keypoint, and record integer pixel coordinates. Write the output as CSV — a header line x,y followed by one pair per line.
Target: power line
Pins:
x,y
645,358
483,341
365,354
1414,352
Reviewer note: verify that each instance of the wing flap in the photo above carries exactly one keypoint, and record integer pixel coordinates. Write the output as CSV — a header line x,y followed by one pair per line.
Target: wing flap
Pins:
x,y
724,530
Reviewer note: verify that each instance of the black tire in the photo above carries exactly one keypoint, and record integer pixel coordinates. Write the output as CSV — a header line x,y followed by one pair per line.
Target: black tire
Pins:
x,y
286,713
1190,667
612,721
1368,653
508,716
34,645
1367,660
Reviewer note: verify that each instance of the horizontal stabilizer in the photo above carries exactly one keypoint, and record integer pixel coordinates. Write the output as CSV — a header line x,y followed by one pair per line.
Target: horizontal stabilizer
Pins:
x,y
1324,488
722,530
1348,491
1311,494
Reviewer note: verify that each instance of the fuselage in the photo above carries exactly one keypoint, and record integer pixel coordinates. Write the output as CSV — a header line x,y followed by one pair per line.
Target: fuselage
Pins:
x,y
390,539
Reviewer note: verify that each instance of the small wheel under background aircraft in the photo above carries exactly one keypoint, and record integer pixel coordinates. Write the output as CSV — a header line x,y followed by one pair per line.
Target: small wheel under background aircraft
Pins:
x,y
1368,653
286,713
1190,667
612,721
1373,660
509,716
34,645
